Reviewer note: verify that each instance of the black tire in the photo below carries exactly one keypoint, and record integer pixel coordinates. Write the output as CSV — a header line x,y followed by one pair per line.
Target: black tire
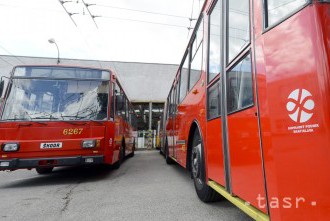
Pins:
x,y
167,157
42,170
204,192
121,158
132,154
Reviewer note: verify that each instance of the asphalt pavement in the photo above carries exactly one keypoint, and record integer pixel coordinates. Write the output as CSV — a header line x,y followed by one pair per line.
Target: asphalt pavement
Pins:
x,y
143,188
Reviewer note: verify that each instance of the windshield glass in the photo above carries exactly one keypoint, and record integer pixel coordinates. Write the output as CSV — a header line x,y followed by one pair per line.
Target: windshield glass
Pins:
x,y
41,99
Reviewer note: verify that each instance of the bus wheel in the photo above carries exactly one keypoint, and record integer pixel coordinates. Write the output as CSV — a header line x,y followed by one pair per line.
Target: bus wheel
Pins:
x,y
167,157
120,160
47,170
133,150
204,192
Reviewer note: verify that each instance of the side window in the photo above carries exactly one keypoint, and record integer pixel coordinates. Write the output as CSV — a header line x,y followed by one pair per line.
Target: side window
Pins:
x,y
213,101
177,96
279,9
239,86
173,101
214,42
127,108
112,110
118,100
238,27
169,104
184,79
196,57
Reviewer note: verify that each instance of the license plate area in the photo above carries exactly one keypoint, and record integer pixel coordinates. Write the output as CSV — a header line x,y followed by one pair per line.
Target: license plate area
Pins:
x,y
53,145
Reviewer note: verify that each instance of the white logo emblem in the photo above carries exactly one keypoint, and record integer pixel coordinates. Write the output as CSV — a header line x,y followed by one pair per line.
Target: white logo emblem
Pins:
x,y
300,105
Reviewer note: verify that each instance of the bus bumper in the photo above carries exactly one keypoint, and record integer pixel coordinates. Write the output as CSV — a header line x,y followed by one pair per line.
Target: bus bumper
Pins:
x,y
13,164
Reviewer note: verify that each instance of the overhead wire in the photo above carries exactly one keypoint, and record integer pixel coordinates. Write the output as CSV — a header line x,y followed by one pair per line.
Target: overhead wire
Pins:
x,y
69,14
12,54
112,17
6,61
191,19
142,11
143,21
92,16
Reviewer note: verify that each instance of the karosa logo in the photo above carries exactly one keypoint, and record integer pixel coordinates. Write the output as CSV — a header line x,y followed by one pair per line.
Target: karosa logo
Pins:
x,y
300,105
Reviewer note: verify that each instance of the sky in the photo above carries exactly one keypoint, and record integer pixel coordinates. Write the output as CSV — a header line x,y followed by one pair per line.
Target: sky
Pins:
x,y
26,27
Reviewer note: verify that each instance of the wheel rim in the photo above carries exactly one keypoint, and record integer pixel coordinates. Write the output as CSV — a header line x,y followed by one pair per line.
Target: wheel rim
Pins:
x,y
196,162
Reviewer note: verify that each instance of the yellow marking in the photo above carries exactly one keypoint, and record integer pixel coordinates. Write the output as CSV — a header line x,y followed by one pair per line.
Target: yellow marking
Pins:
x,y
4,156
174,159
244,206
95,151
98,142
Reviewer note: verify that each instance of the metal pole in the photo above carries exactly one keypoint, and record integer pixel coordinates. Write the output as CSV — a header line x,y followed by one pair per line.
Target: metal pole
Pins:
x,y
150,116
58,53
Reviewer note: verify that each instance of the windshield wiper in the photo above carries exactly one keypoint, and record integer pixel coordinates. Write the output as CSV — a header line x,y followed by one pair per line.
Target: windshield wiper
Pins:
x,y
18,119
34,121
70,122
46,118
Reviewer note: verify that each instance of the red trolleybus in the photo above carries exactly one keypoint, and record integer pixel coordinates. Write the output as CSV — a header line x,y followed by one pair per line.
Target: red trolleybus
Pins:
x,y
248,112
64,116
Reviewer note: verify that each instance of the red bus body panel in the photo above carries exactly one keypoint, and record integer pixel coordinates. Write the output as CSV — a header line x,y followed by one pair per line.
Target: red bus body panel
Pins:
x,y
295,55
278,148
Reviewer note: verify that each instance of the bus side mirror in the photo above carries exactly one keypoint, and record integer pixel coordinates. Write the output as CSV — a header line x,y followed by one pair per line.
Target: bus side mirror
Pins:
x,y
2,85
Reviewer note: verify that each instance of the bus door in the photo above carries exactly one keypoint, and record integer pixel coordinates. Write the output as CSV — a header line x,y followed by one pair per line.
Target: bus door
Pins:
x,y
215,153
244,163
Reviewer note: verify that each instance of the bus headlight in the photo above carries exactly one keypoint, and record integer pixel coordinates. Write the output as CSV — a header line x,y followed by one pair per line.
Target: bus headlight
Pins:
x,y
88,143
10,147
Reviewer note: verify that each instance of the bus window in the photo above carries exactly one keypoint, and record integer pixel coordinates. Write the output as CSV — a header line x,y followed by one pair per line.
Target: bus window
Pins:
x,y
184,79
279,9
112,110
196,57
213,102
239,83
239,27
119,100
214,42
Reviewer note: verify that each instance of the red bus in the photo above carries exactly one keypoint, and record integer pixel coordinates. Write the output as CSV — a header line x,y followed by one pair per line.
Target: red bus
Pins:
x,y
248,112
55,116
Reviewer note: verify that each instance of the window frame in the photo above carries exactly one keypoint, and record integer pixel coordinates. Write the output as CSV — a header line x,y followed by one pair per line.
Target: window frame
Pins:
x,y
214,82
211,81
241,58
267,27
200,47
246,45
187,55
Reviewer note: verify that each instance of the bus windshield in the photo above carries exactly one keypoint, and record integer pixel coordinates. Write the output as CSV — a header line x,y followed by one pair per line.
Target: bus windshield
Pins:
x,y
56,99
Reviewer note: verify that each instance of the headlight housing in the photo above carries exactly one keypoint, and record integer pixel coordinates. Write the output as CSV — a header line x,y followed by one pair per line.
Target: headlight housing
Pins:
x,y
88,143
10,147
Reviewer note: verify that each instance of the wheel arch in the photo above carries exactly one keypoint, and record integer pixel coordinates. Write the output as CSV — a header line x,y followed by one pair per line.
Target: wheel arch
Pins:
x,y
194,126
